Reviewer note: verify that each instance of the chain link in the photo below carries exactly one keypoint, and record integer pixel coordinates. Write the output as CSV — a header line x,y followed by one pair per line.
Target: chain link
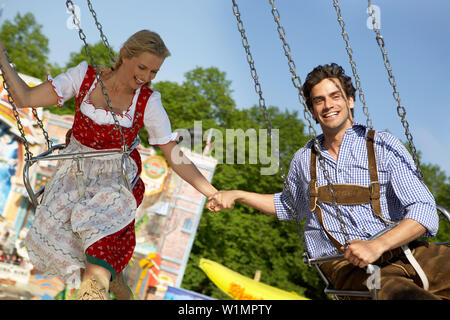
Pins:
x,y
401,111
349,50
258,89
70,6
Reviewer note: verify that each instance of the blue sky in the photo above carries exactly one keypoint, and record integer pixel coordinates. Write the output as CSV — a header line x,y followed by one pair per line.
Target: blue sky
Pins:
x,y
204,33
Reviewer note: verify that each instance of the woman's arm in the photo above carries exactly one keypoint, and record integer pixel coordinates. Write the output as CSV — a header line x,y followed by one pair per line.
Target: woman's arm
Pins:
x,y
23,95
186,169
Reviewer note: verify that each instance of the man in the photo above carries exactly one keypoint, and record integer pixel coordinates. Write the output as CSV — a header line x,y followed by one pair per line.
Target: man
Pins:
x,y
375,186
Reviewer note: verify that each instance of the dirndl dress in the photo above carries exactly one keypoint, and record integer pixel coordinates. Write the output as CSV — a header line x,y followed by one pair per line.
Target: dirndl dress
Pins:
x,y
92,221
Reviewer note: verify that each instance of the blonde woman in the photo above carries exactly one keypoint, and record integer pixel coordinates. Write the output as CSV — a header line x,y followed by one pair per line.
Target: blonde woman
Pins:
x,y
87,230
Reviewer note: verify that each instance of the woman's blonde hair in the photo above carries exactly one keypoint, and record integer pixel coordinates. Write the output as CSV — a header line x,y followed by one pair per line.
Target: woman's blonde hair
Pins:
x,y
140,42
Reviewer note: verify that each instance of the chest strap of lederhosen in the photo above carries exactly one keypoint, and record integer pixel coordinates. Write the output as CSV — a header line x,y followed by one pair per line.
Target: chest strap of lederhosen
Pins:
x,y
346,194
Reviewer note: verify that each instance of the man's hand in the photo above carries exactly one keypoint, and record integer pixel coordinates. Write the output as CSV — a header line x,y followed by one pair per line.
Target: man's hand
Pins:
x,y
362,252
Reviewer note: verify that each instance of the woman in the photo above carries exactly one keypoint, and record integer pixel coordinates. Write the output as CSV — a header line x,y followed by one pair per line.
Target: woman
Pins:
x,y
88,225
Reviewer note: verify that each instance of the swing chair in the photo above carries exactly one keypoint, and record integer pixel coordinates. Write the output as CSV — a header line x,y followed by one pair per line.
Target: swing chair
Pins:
x,y
373,270
51,152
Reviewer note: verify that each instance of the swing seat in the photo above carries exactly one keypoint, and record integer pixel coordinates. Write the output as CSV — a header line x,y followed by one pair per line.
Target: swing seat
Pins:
x,y
372,270
51,154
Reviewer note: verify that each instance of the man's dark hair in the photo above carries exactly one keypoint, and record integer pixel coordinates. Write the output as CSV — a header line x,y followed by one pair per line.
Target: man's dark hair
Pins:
x,y
326,71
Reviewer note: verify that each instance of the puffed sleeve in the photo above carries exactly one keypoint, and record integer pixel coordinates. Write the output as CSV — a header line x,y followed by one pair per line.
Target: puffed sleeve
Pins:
x,y
157,122
67,84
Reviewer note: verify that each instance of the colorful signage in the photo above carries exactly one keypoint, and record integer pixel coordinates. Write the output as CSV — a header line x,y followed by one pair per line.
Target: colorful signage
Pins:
x,y
154,174
174,293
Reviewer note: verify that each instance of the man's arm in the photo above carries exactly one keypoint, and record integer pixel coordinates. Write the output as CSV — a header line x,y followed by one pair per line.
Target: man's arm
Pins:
x,y
363,252
420,211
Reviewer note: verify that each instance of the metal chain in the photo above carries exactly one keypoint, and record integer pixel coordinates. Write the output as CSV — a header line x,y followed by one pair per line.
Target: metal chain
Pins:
x,y
41,125
70,6
261,100
297,84
254,75
401,111
349,50
102,35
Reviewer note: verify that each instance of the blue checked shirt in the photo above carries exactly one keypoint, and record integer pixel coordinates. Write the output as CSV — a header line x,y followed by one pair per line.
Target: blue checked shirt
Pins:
x,y
403,194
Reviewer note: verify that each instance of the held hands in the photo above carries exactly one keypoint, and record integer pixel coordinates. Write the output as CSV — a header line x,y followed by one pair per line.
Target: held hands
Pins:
x,y
221,200
362,252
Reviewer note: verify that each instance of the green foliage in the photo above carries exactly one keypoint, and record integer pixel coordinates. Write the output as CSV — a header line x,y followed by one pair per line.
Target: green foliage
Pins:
x,y
213,86
99,54
439,185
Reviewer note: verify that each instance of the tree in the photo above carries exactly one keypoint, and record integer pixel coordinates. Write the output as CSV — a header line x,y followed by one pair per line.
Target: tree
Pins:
x,y
27,47
214,86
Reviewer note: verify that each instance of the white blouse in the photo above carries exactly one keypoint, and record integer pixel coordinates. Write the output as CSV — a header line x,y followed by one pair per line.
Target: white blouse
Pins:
x,y
156,121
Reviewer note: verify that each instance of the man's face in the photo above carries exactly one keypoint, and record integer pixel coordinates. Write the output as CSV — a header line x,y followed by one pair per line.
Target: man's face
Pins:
x,y
330,106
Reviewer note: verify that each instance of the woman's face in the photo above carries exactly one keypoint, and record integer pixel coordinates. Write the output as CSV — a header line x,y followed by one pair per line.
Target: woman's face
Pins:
x,y
141,69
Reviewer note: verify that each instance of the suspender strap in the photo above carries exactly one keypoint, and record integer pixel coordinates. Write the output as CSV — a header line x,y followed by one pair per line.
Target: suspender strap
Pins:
x,y
346,194
374,186
314,197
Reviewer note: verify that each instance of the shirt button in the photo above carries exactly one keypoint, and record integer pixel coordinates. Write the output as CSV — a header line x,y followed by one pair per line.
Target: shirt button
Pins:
x,y
339,170
364,229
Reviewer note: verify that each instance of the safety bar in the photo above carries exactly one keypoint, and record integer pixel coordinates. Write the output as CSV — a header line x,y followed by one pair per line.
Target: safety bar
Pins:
x,y
444,212
48,156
